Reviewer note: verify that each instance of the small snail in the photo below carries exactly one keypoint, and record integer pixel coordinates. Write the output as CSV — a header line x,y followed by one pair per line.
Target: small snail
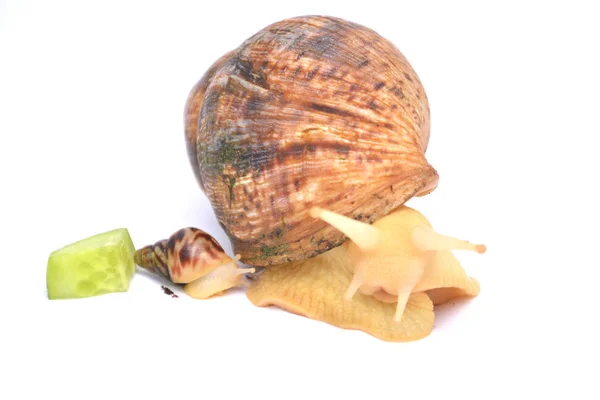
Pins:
x,y
309,112
194,258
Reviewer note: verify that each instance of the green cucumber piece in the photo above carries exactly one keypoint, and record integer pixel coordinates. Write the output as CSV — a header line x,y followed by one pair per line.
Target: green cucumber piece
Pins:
x,y
93,266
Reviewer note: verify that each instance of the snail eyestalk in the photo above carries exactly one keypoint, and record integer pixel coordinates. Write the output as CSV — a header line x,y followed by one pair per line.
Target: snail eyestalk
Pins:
x,y
426,238
364,235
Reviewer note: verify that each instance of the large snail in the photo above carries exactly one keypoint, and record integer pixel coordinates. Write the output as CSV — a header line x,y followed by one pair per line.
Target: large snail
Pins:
x,y
308,139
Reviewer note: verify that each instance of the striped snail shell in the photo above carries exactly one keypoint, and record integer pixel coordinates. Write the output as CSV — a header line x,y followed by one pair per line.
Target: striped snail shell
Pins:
x,y
192,257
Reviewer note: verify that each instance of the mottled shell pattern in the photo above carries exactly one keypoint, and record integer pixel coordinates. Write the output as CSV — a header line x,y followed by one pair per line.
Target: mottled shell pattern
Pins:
x,y
310,111
187,255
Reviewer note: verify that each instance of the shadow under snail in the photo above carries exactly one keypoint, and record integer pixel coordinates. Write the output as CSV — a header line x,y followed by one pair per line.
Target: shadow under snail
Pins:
x,y
308,139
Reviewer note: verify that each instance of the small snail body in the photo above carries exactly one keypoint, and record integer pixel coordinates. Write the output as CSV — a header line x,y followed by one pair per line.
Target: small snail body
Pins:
x,y
309,111
192,257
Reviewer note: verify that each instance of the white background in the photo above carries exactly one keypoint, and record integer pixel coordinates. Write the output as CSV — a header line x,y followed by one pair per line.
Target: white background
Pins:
x,y
91,123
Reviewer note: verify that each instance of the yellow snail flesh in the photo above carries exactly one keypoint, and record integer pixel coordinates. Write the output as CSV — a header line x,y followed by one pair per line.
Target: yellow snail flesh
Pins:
x,y
384,280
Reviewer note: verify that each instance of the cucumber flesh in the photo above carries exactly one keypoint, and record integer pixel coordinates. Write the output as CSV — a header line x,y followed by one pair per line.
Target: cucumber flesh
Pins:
x,y
96,265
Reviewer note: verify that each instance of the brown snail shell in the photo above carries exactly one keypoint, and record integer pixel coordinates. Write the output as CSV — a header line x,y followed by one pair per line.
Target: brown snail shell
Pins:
x,y
310,111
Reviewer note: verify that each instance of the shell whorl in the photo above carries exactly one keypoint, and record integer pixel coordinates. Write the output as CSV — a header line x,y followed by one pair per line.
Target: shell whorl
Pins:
x,y
154,258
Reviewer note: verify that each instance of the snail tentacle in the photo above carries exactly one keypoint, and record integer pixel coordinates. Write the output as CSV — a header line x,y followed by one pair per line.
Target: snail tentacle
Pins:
x,y
407,283
355,284
224,277
426,238
364,235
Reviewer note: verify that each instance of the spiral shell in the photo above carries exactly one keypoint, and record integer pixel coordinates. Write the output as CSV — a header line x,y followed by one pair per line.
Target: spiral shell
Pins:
x,y
310,111
187,255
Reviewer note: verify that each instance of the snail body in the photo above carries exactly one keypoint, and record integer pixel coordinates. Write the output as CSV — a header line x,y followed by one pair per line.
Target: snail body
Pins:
x,y
309,111
393,257
368,283
192,257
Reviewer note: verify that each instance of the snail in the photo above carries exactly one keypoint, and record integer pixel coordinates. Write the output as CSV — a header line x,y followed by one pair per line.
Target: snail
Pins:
x,y
192,257
308,140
